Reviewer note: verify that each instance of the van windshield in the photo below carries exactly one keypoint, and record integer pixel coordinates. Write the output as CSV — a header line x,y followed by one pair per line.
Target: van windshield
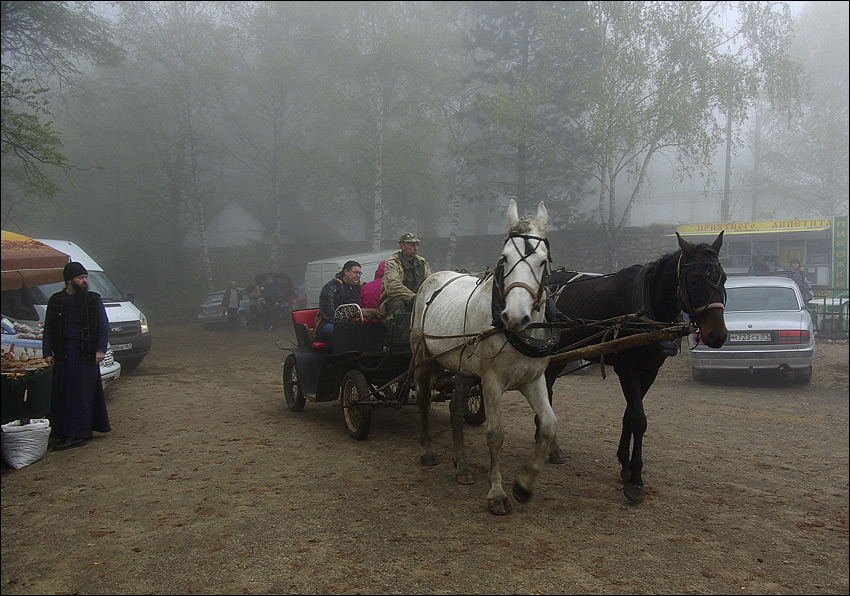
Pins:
x,y
98,282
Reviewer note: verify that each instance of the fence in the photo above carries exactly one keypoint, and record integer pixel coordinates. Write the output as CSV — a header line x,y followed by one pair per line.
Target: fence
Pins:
x,y
830,315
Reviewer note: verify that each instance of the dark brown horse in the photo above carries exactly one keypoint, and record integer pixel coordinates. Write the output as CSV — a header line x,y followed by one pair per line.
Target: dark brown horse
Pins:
x,y
690,280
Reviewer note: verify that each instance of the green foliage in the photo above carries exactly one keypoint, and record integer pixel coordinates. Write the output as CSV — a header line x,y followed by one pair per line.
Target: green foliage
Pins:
x,y
41,44
804,152
27,140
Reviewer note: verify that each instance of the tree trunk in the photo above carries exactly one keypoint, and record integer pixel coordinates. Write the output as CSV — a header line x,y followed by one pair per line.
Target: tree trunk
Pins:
x,y
377,229
202,223
450,254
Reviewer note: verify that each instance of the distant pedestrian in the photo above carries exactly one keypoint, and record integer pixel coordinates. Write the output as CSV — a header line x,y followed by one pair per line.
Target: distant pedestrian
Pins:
x,y
799,276
254,307
272,299
230,303
759,266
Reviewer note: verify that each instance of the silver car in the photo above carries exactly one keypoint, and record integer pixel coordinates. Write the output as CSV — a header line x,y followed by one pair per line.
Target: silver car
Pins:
x,y
769,329
211,314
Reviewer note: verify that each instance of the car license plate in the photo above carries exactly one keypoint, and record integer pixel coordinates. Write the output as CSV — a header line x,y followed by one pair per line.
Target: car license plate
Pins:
x,y
745,337
119,347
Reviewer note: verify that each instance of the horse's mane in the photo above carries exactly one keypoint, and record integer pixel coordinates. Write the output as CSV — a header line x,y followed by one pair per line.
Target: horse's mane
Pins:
x,y
701,248
526,225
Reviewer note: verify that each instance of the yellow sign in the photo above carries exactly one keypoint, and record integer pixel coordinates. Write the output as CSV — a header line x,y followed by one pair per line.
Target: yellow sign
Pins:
x,y
756,226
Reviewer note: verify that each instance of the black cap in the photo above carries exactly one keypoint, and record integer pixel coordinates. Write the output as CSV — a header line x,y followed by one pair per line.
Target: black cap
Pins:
x,y
73,269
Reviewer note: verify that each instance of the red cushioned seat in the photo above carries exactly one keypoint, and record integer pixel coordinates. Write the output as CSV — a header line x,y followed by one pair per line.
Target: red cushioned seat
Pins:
x,y
306,317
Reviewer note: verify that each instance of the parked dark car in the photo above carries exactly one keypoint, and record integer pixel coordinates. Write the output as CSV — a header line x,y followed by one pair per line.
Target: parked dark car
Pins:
x,y
294,296
210,313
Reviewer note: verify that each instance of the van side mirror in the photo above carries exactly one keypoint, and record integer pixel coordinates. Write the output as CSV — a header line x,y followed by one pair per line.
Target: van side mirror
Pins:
x,y
131,296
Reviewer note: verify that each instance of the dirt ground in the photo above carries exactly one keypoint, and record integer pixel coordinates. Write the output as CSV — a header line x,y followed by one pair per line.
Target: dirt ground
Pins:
x,y
209,484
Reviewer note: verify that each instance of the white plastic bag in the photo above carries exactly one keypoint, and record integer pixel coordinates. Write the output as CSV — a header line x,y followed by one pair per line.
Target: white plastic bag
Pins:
x,y
24,444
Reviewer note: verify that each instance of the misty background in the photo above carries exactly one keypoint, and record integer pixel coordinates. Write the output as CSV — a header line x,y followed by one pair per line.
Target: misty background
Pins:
x,y
166,137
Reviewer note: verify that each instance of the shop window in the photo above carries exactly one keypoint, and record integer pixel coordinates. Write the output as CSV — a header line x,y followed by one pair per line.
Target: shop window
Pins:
x,y
767,249
739,255
817,251
791,249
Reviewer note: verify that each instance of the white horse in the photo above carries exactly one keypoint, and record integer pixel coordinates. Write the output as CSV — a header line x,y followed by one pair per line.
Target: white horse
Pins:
x,y
453,325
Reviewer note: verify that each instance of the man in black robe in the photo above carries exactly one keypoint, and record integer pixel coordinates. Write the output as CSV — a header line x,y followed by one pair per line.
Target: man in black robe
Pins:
x,y
76,331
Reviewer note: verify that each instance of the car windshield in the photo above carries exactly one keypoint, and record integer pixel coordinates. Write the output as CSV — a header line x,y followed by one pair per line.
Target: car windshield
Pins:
x,y
761,299
98,282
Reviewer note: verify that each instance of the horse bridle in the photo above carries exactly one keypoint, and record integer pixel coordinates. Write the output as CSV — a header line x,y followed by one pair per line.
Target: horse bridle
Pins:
x,y
522,342
536,293
684,293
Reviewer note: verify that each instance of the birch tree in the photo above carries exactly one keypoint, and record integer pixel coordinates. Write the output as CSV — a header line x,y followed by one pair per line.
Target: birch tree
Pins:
x,y
658,75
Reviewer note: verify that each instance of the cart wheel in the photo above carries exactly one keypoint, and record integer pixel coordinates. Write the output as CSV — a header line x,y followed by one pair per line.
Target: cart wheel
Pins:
x,y
357,418
474,412
291,387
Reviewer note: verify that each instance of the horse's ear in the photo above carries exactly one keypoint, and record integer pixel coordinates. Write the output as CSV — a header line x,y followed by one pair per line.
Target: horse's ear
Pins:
x,y
718,243
542,216
513,216
687,247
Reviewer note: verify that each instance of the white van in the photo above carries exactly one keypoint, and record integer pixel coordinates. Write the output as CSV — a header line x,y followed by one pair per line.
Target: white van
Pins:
x,y
321,272
129,335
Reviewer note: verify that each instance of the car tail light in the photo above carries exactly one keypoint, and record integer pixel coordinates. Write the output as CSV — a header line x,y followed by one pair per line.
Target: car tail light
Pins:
x,y
794,337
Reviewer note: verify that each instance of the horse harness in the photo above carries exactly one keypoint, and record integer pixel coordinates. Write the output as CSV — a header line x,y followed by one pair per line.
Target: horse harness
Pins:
x,y
522,342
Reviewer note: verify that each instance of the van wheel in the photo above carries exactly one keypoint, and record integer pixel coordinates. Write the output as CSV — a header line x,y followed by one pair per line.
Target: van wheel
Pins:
x,y
131,363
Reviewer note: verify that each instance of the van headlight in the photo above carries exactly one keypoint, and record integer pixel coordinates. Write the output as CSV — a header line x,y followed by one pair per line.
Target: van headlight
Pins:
x,y
143,321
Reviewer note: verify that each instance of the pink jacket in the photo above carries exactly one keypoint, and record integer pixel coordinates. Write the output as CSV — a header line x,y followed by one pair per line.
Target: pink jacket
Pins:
x,y
371,292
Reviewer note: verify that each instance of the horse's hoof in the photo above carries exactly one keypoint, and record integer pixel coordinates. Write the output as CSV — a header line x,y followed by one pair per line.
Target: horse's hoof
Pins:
x,y
520,494
499,506
428,460
557,457
625,475
465,479
633,492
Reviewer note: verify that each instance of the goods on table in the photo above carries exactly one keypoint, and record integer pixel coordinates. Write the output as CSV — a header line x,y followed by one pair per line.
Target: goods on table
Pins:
x,y
26,332
17,366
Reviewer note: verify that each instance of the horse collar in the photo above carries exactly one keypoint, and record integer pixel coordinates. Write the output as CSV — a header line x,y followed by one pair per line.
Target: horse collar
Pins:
x,y
641,300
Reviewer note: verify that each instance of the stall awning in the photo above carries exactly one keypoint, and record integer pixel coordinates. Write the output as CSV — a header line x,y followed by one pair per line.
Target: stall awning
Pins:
x,y
25,260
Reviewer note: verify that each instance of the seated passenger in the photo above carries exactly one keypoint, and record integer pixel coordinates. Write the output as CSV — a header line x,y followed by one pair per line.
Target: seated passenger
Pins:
x,y
344,288
404,273
370,294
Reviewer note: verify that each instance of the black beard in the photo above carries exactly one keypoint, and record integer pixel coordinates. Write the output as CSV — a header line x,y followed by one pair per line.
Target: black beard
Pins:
x,y
79,296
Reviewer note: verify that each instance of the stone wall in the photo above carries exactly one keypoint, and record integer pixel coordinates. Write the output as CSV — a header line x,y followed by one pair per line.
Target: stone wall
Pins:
x,y
582,248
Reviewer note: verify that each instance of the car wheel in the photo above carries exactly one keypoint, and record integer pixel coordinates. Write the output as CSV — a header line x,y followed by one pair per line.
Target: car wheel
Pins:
x,y
803,376
700,375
